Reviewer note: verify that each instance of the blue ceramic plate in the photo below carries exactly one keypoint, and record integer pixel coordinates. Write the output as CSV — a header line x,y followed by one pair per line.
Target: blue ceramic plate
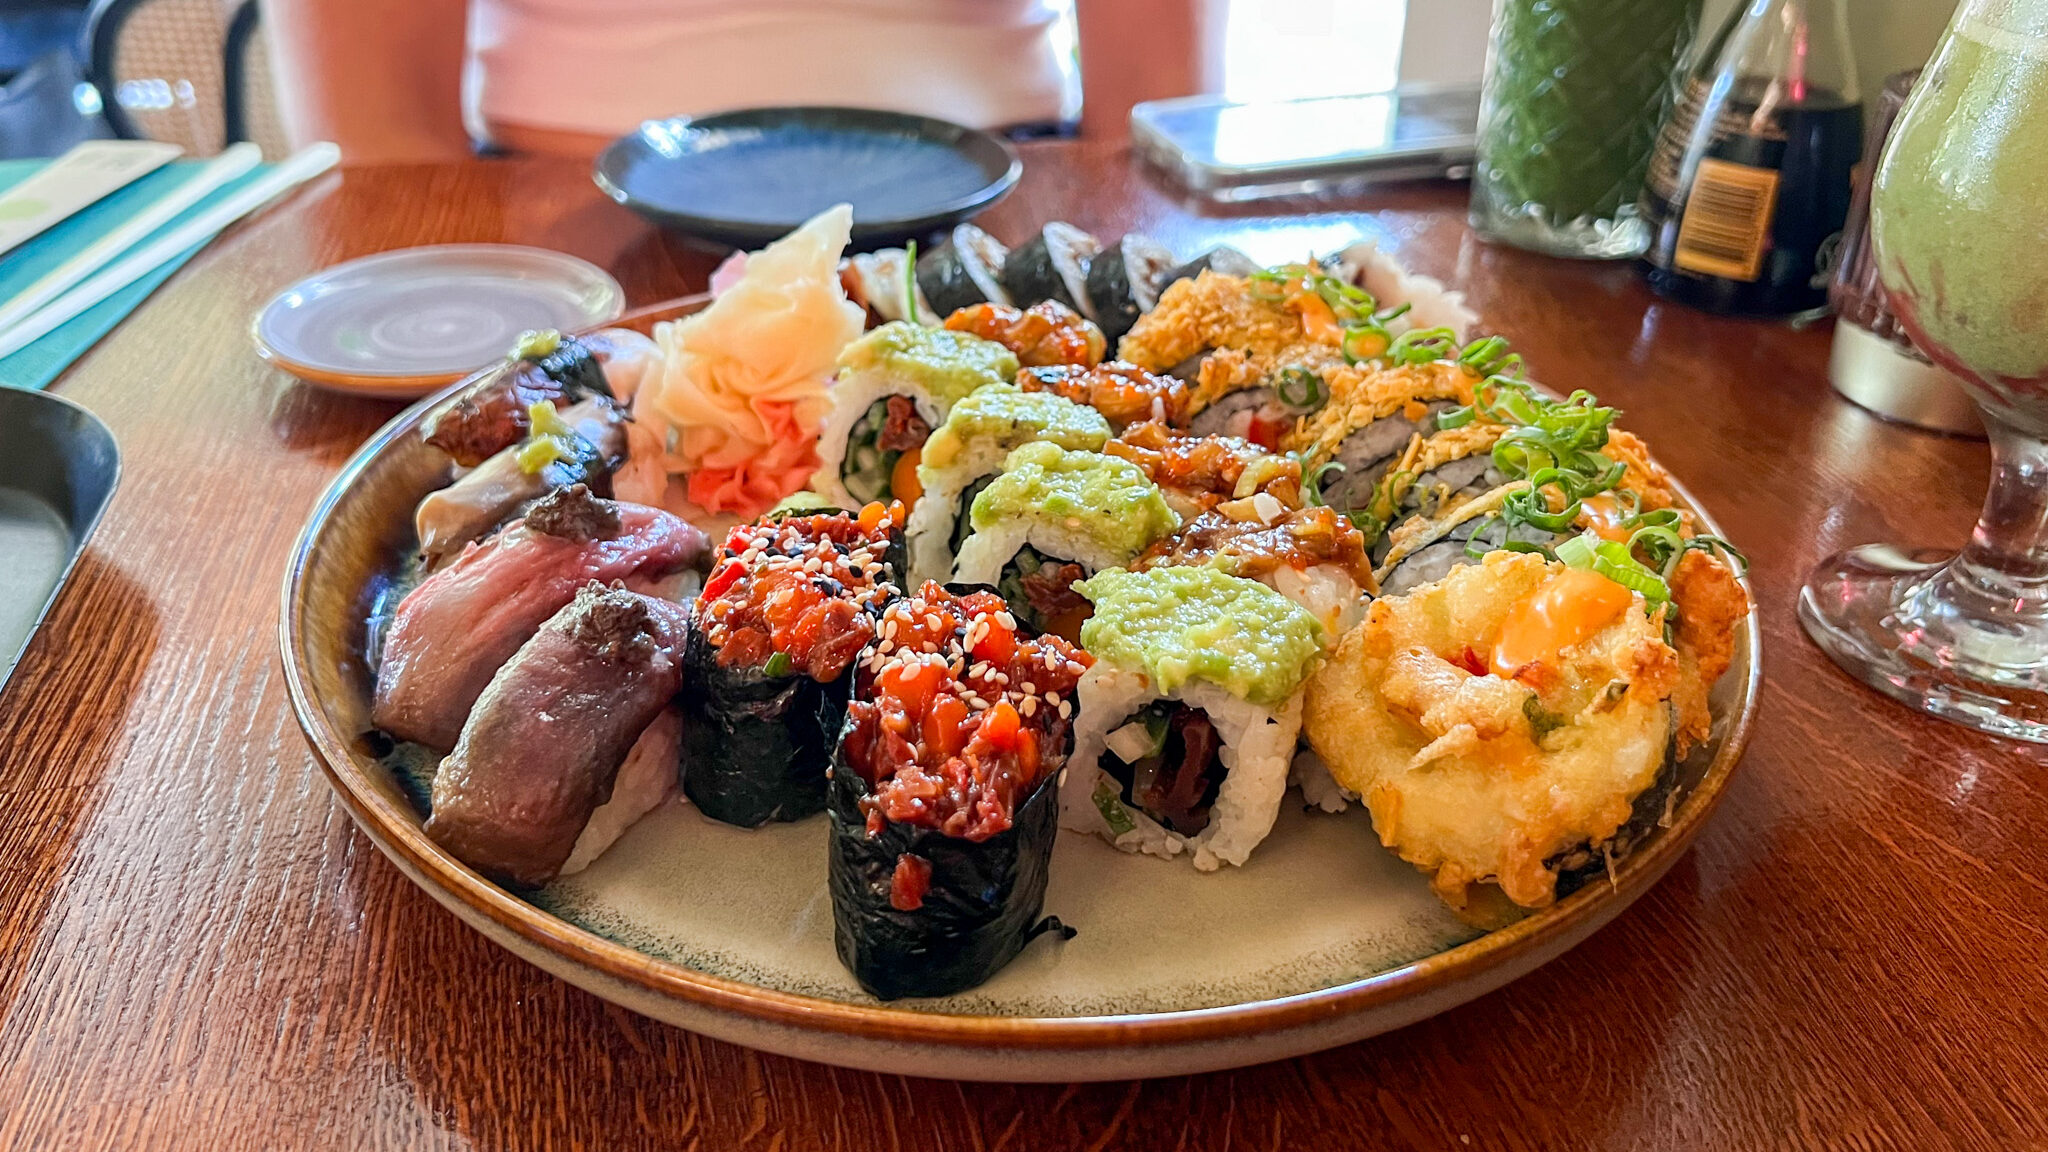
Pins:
x,y
746,178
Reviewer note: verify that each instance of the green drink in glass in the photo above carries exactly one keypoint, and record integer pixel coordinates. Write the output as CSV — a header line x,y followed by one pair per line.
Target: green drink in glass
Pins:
x,y
1574,93
1958,219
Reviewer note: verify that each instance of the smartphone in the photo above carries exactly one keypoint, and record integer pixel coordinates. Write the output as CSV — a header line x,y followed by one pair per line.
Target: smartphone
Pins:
x,y
1227,151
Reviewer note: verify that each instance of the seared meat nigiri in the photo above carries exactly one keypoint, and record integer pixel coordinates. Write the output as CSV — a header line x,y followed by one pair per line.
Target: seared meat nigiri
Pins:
x,y
593,447
547,366
462,623
543,746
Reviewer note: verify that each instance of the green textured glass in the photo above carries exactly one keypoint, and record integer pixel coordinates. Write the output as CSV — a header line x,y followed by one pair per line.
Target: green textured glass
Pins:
x,y
1575,90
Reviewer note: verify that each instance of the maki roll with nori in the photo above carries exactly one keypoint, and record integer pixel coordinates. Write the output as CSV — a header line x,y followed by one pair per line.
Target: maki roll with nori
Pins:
x,y
787,609
894,385
944,802
1044,334
1222,260
970,446
1189,715
1053,265
965,270
1124,281
1053,517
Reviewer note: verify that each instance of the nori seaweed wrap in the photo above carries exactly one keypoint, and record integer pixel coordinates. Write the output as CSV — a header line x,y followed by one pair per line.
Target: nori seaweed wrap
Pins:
x,y
944,801
787,609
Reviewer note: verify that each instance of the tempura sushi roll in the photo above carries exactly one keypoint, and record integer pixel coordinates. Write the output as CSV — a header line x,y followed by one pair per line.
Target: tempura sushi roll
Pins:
x,y
1364,433
1052,517
944,806
787,609
969,449
894,385
1189,716
1510,725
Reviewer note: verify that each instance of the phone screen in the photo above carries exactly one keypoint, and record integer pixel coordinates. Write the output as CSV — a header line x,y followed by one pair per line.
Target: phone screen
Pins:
x,y
1212,133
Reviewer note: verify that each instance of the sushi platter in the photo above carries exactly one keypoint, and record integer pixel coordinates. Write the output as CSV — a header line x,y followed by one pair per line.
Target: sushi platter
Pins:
x,y
1050,662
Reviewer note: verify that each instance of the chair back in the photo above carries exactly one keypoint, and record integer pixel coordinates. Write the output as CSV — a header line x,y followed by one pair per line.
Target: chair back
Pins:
x,y
195,73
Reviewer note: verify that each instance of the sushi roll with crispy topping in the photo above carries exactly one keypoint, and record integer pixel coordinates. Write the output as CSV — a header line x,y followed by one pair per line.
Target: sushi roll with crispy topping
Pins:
x,y
1189,716
787,608
944,802
967,451
1053,517
894,385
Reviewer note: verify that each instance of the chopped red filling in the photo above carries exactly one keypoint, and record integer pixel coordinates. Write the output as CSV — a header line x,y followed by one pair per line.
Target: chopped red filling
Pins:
x,y
802,588
955,713
1125,394
911,880
902,428
1050,591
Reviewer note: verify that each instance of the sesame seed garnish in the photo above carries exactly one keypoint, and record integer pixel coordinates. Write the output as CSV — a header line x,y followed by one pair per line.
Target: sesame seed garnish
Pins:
x,y
1066,710
1030,706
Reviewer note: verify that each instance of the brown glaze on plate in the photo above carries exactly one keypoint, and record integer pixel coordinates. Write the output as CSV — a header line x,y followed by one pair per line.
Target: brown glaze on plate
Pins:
x,y
1283,979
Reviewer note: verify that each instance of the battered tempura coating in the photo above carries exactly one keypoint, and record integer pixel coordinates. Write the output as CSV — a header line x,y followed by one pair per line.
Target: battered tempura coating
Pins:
x,y
1476,777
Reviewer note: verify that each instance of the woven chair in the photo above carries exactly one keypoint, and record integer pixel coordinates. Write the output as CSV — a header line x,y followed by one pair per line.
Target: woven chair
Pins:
x,y
195,73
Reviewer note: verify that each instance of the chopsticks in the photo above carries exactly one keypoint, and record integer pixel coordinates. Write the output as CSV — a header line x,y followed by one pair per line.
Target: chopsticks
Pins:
x,y
76,287
238,159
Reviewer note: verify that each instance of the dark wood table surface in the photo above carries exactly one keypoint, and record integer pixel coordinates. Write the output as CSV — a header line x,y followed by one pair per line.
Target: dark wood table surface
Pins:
x,y
198,950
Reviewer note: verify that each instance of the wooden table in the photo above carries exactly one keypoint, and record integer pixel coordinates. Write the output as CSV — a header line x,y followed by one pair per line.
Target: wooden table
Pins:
x,y
198,950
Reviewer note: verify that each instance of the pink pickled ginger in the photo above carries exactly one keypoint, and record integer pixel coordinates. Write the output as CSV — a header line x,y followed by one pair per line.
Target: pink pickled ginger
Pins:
x,y
743,383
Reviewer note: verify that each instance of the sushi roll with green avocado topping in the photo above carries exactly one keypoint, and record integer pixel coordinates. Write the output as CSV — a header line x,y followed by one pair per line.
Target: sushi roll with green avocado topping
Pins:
x,y
980,432
1189,716
1053,517
895,384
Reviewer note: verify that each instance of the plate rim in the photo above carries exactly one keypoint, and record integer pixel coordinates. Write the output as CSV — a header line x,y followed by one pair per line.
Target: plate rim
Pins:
x,y
386,381
1502,947
971,203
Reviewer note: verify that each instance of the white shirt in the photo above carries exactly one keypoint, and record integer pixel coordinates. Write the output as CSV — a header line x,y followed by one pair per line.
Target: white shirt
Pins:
x,y
603,66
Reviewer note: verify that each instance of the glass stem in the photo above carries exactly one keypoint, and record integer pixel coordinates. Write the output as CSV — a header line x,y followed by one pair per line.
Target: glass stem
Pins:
x,y
2005,565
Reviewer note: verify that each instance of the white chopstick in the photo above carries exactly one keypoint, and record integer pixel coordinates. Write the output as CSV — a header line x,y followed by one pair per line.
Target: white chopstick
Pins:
x,y
302,166
238,158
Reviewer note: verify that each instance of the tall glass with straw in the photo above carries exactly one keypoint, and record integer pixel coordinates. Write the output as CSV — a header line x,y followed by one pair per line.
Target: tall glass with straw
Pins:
x,y
1959,220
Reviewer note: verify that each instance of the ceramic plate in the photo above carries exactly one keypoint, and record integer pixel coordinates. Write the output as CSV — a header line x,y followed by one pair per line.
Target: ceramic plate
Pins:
x,y
1323,938
746,178
401,324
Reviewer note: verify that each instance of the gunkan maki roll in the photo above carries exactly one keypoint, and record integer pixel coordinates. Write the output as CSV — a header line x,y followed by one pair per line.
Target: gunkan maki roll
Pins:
x,y
944,802
788,607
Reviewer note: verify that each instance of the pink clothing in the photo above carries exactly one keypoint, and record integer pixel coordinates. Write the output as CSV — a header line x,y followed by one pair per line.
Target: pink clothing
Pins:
x,y
603,66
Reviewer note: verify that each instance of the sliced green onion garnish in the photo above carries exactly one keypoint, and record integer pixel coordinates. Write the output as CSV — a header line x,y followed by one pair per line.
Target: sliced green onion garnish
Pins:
x,y
1455,418
778,664
1312,484
1301,390
910,282
1362,342
1611,558
1422,346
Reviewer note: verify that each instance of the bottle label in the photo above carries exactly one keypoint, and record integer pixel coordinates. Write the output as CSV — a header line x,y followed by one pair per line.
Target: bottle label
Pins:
x,y
1727,222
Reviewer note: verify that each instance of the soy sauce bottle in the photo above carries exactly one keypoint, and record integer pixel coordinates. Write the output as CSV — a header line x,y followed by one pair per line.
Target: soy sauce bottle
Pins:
x,y
1750,181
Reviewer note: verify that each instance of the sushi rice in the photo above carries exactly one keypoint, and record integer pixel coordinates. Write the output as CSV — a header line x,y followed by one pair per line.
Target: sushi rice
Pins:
x,y
1257,748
